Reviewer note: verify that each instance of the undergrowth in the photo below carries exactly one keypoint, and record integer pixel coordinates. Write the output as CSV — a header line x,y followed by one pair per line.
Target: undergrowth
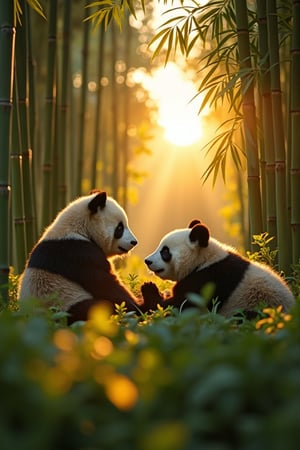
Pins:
x,y
168,380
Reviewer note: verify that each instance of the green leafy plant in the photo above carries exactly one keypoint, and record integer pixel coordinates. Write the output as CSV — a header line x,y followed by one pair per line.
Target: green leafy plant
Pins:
x,y
264,254
172,380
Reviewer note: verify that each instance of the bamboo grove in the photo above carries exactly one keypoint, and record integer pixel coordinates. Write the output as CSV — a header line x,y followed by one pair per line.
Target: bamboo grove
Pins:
x,y
58,74
249,63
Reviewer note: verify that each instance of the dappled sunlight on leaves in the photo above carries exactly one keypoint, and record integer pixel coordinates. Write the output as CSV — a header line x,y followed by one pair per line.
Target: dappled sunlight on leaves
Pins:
x,y
275,321
121,391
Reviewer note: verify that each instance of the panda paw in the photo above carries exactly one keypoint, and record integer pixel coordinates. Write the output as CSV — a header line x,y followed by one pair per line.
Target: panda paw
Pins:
x,y
150,295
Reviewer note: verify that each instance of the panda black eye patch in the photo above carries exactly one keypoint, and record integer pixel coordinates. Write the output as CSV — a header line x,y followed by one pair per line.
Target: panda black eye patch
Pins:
x,y
165,254
119,230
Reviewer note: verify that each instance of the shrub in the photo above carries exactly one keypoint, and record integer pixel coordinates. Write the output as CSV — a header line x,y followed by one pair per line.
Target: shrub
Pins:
x,y
178,381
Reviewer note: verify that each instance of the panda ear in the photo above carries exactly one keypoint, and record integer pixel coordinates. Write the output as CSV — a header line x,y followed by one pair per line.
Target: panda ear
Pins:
x,y
99,201
200,233
193,223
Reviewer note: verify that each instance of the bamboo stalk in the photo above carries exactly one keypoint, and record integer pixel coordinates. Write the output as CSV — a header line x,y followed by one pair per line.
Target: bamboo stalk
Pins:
x,y
249,112
295,133
19,237
47,168
23,111
55,150
19,246
115,115
126,115
283,231
7,46
97,134
267,124
64,107
83,101
32,129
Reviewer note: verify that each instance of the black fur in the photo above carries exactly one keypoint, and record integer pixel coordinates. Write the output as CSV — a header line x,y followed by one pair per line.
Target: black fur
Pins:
x,y
200,233
84,263
225,275
99,201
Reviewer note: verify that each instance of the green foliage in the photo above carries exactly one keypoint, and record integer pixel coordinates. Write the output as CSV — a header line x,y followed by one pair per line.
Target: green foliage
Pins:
x,y
265,254
110,9
169,380
34,4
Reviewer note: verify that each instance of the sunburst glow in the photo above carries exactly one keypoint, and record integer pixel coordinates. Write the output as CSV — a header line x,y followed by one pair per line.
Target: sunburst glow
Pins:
x,y
172,92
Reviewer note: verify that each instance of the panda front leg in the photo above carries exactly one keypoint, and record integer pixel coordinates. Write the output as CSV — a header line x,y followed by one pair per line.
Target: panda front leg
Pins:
x,y
151,296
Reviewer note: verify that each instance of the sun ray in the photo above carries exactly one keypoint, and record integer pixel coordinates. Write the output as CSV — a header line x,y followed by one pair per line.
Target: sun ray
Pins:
x,y
176,113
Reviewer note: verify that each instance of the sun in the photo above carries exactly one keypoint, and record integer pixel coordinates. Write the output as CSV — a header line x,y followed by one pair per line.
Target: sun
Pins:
x,y
177,113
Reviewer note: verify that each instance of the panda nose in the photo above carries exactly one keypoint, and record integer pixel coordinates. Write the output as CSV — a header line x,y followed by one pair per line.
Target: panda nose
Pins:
x,y
133,243
148,262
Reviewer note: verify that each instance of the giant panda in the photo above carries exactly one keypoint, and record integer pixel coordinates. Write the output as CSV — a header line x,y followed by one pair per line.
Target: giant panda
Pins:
x,y
192,258
69,262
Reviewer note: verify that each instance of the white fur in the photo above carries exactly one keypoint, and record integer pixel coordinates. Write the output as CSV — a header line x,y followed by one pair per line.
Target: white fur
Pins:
x,y
260,283
186,255
76,221
53,288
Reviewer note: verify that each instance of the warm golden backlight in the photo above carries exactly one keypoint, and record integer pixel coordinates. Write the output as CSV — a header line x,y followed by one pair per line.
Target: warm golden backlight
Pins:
x,y
177,114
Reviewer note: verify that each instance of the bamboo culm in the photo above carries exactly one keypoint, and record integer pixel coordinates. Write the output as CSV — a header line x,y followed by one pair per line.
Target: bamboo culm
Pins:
x,y
249,113
7,48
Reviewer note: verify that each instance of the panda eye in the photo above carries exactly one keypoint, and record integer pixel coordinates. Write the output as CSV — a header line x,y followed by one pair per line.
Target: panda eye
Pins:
x,y
119,230
165,254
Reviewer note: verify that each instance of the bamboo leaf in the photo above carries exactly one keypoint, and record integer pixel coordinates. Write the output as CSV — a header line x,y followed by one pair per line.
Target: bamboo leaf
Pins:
x,y
170,42
165,34
34,4
182,41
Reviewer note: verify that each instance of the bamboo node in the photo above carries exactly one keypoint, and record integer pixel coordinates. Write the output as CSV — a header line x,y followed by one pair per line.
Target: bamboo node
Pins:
x,y
4,270
270,167
253,177
19,220
47,167
5,189
295,171
6,103
279,165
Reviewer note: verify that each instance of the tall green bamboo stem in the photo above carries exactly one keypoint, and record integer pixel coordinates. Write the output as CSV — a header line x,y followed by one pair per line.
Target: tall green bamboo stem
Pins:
x,y
249,112
19,247
47,168
97,134
83,100
19,237
7,47
23,111
267,123
31,83
55,152
283,231
64,107
115,115
30,210
126,115
295,133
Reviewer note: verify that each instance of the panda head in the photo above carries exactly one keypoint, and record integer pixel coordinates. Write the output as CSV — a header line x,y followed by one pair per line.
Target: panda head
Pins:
x,y
98,218
180,252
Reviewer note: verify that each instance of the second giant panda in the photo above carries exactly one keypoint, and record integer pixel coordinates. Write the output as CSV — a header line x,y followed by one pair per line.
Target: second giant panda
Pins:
x,y
70,263
193,259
